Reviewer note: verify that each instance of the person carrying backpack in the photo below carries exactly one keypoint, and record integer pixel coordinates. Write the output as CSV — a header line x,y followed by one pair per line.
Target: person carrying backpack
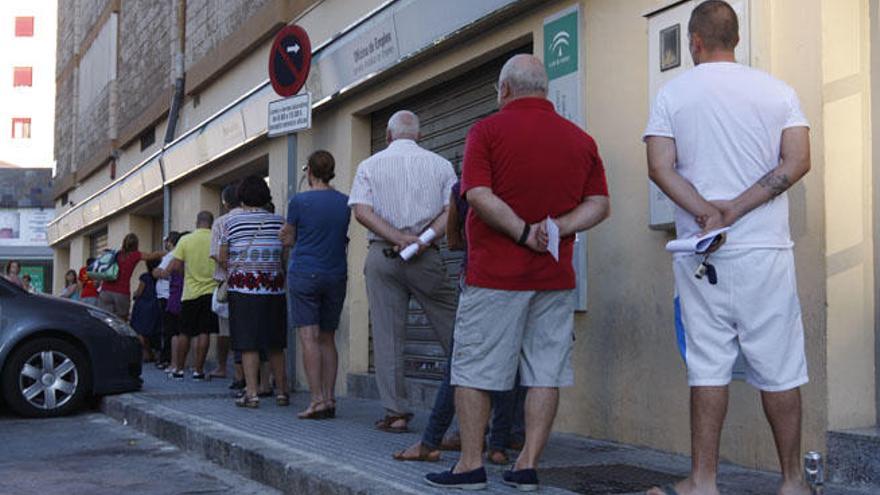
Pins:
x,y
115,295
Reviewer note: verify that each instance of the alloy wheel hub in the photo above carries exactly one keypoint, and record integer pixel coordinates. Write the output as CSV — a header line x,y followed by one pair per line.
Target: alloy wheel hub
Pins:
x,y
48,379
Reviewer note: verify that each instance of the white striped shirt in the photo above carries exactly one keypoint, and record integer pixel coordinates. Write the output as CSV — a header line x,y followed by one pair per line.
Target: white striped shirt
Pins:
x,y
255,252
408,186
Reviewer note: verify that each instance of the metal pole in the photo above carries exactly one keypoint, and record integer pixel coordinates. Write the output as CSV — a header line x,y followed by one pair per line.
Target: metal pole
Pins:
x,y
291,330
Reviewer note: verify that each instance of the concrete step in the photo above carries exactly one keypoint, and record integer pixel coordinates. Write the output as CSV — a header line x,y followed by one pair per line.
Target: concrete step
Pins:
x,y
348,455
854,457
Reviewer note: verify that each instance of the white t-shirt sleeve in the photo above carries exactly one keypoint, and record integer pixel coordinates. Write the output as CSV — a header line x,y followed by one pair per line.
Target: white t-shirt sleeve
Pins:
x,y
166,260
361,192
659,121
449,180
796,117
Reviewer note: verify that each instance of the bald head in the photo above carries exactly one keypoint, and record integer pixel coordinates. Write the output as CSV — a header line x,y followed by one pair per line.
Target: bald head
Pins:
x,y
403,125
523,75
715,23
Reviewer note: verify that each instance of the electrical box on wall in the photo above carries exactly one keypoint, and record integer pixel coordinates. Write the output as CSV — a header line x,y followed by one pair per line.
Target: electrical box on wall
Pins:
x,y
668,57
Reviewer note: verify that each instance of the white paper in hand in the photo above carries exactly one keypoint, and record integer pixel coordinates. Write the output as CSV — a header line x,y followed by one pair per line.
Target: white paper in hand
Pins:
x,y
552,238
697,245
411,250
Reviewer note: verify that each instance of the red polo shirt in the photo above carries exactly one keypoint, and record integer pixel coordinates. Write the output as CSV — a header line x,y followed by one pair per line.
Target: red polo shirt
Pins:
x,y
540,165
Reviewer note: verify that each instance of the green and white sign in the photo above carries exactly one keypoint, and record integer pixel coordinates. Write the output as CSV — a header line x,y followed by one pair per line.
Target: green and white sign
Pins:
x,y
37,273
562,56
561,45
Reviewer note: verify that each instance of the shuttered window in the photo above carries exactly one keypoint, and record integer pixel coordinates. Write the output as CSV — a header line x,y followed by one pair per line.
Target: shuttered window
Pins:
x,y
22,76
24,26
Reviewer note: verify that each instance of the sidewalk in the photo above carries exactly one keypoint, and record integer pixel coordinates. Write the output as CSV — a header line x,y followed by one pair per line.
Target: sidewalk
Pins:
x,y
347,455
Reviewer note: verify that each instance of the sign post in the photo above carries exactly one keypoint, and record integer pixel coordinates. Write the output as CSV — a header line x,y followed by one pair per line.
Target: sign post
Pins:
x,y
290,59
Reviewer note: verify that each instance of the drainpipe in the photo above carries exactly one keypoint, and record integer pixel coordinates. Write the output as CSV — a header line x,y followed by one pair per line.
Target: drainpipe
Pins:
x,y
174,112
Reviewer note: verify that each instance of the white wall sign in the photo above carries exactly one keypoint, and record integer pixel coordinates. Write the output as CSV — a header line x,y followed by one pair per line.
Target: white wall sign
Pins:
x,y
397,31
25,226
290,115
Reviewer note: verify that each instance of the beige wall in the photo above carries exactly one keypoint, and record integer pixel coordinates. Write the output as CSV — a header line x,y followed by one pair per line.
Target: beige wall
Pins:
x,y
628,334
60,260
848,213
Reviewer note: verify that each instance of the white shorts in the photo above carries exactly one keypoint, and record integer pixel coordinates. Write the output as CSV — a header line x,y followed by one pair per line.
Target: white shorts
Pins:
x,y
754,309
500,332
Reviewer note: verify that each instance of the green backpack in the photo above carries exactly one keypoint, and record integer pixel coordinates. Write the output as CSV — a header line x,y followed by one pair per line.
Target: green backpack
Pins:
x,y
105,267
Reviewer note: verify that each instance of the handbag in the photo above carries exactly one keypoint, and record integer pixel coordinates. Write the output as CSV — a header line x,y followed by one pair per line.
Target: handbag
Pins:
x,y
222,293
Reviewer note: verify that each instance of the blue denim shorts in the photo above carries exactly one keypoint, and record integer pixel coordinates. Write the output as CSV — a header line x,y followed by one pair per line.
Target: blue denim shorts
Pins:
x,y
316,299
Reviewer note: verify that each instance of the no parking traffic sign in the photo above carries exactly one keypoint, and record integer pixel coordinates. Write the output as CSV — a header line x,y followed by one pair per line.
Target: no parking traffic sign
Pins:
x,y
290,60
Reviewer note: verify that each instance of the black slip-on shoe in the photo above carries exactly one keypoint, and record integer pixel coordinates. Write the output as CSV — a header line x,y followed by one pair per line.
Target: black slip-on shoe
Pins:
x,y
525,480
471,480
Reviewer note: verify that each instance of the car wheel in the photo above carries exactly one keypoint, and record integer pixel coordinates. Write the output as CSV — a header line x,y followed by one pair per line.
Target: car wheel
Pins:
x,y
46,377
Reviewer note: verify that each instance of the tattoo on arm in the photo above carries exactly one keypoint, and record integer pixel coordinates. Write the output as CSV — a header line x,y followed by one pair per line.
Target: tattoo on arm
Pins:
x,y
777,184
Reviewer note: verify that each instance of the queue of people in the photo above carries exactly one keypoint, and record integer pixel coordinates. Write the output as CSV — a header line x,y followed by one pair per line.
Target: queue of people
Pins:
x,y
723,151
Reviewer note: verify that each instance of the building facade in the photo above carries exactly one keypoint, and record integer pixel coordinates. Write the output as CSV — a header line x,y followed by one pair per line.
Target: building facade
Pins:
x,y
118,63
27,89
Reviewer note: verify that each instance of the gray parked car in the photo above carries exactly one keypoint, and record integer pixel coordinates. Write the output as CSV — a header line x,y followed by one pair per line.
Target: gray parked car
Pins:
x,y
55,353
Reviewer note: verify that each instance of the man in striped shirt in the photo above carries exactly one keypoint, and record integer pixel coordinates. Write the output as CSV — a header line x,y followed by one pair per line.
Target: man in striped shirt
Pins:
x,y
399,194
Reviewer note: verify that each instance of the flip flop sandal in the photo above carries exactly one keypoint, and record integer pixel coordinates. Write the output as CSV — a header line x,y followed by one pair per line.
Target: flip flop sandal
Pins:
x,y
431,456
385,423
248,402
282,400
314,413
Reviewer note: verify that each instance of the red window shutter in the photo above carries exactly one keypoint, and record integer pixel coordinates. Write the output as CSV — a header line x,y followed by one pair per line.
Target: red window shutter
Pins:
x,y
21,128
23,76
24,26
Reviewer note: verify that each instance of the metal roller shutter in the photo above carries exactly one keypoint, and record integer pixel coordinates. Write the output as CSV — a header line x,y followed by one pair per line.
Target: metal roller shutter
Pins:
x,y
98,242
446,112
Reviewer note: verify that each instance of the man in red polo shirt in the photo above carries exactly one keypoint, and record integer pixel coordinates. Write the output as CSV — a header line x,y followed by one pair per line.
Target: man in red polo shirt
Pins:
x,y
522,165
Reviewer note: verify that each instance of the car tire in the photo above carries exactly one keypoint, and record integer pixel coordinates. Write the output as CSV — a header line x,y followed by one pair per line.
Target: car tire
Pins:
x,y
46,377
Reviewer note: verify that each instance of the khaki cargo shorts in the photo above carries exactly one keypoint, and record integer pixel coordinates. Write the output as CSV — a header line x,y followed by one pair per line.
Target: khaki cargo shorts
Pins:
x,y
500,332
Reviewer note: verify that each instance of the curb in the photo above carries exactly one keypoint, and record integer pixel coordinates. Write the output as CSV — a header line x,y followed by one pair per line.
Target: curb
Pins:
x,y
286,469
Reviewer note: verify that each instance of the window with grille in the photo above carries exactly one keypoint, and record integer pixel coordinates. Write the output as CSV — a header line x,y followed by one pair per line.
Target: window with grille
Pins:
x,y
21,128
23,76
24,26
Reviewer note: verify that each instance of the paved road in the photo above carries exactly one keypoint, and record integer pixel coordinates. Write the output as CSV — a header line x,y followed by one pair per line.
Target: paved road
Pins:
x,y
92,454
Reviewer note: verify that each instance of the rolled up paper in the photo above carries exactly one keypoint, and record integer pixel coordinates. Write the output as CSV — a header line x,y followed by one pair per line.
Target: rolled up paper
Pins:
x,y
411,250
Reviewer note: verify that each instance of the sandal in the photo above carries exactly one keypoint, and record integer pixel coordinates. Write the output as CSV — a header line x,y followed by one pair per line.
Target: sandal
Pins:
x,y
282,400
312,413
331,409
425,455
385,424
248,401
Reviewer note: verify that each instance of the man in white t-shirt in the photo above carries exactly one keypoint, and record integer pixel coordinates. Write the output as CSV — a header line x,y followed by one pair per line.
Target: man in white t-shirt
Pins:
x,y
724,143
